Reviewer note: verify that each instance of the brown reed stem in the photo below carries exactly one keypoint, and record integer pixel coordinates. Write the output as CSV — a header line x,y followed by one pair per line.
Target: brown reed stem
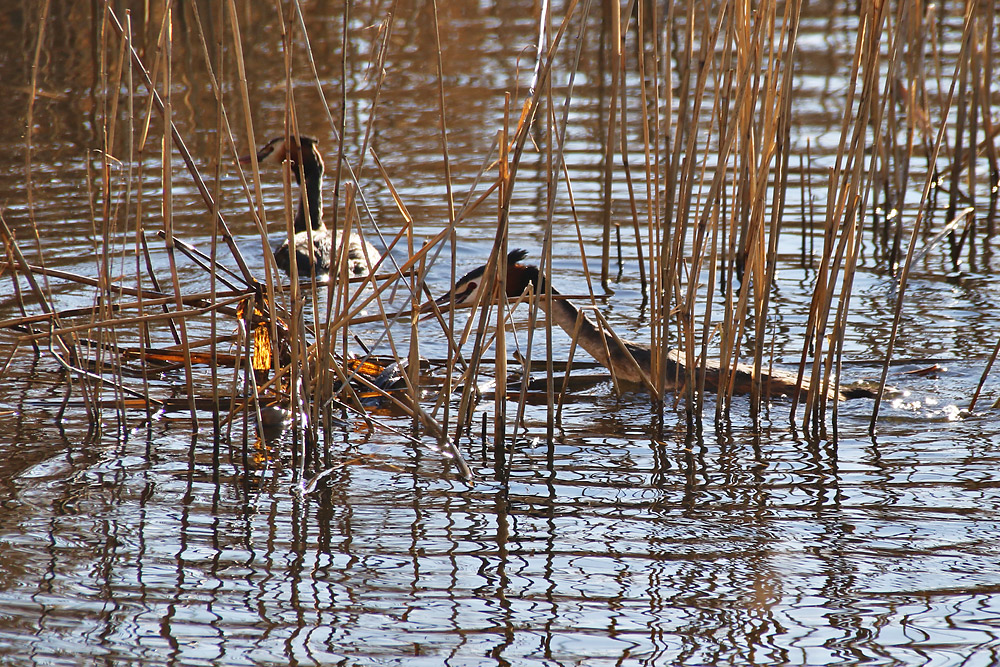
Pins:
x,y
181,147
918,223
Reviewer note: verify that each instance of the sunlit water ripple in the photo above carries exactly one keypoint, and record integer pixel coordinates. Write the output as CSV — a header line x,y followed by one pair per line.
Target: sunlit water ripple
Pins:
x,y
616,543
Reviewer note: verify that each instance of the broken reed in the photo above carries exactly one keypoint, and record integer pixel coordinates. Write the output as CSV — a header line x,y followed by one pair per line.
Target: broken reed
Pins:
x,y
696,123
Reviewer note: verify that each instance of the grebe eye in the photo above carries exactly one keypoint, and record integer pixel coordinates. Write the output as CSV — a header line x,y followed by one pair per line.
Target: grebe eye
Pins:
x,y
468,289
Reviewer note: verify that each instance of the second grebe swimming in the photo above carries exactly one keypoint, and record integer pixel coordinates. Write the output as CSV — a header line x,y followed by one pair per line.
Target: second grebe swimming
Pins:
x,y
628,360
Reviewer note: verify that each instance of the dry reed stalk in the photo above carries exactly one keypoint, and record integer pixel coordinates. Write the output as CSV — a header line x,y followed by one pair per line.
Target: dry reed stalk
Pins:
x,y
339,129
525,359
847,186
982,379
856,196
650,139
615,37
500,291
985,82
221,128
413,359
208,263
919,221
111,323
962,119
154,99
852,233
467,400
303,371
66,347
455,348
680,180
257,201
747,214
774,174
77,371
555,165
411,406
336,293
343,288
496,263
627,168
106,233
178,143
344,299
430,425
104,316
751,146
167,176
16,288
708,224
198,300
138,245
29,133
738,96
142,246
976,101
658,237
330,366
915,27
555,157
168,214
44,297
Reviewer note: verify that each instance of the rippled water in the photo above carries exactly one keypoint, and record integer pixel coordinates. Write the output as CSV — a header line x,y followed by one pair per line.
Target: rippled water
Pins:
x,y
618,543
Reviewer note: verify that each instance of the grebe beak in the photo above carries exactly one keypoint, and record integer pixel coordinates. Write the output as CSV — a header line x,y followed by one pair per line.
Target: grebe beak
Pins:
x,y
427,310
449,300
458,296
443,300
443,304
266,151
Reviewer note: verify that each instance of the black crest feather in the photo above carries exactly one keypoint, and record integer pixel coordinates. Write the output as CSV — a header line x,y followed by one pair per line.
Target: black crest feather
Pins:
x,y
516,255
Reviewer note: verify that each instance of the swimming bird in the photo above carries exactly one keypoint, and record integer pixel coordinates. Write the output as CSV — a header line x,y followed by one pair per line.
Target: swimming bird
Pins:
x,y
628,360
313,240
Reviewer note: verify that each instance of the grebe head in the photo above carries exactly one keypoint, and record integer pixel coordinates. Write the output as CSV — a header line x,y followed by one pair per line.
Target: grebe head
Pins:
x,y
468,287
303,150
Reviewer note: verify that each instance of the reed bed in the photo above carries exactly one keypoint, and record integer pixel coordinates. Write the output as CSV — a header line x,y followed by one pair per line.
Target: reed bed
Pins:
x,y
697,129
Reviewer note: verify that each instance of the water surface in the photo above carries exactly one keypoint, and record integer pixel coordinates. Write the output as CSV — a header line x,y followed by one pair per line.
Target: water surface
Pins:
x,y
623,541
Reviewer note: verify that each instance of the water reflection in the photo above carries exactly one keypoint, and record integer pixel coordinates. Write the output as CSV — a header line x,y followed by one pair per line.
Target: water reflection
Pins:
x,y
621,541
768,544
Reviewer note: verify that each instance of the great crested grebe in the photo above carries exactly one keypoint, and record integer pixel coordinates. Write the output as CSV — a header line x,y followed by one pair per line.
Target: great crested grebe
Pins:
x,y
313,255
628,360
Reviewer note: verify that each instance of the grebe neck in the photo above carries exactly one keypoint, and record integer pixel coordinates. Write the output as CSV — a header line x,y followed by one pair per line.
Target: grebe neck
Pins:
x,y
628,364
313,169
